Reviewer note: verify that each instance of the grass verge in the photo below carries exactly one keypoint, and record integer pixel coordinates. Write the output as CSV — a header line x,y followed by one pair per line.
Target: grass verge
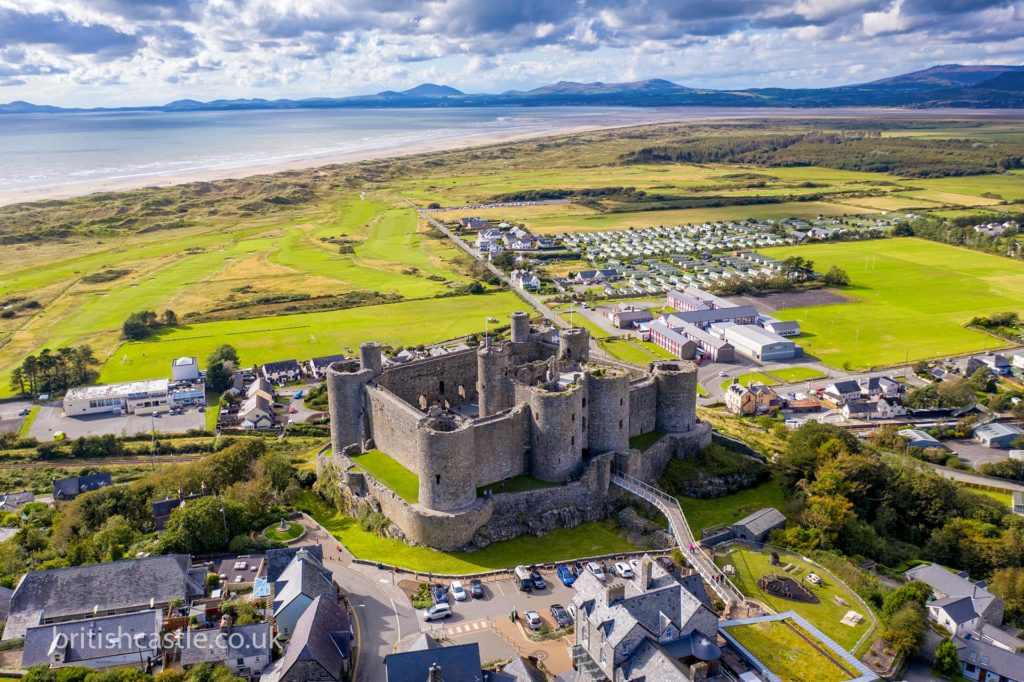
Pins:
x,y
28,421
794,374
645,440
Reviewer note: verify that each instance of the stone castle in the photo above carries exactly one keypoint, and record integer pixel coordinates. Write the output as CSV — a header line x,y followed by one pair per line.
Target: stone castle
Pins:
x,y
535,405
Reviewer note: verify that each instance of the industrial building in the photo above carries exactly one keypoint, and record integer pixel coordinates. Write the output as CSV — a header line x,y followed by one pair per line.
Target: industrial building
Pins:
x,y
756,342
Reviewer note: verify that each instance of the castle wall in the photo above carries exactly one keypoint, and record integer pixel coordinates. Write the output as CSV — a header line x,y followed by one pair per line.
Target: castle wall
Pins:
x,y
650,464
345,387
557,436
502,445
394,425
447,461
530,351
493,386
607,412
677,396
643,401
449,378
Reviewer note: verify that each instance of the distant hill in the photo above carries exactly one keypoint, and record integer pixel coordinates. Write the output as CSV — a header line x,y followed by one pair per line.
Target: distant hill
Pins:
x,y
946,85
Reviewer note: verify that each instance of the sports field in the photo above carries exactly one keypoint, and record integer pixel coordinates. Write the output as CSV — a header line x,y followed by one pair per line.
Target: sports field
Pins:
x,y
911,298
309,335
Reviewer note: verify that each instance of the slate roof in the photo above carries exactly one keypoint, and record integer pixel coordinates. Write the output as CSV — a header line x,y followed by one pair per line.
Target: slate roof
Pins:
x,y
214,646
325,361
762,520
278,559
946,583
282,366
94,638
519,670
992,658
458,664
76,591
859,408
322,634
5,601
305,575
844,387
10,502
69,488
960,609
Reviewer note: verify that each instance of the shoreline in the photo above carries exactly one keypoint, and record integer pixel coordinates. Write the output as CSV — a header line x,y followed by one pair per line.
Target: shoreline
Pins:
x,y
654,116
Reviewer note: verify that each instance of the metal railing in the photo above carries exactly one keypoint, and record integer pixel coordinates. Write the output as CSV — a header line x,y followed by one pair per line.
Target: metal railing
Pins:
x,y
669,506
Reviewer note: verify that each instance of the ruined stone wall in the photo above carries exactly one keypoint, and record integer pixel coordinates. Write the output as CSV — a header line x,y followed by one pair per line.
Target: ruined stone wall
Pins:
x,y
502,445
607,411
557,435
643,403
445,380
394,424
530,351
649,464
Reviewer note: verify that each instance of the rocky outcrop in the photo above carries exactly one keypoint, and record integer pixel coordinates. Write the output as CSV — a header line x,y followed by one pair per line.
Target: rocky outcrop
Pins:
x,y
705,486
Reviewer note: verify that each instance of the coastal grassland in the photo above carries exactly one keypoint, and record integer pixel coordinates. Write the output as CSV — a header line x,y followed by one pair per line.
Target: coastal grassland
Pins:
x,y
909,300
783,651
826,615
588,539
306,335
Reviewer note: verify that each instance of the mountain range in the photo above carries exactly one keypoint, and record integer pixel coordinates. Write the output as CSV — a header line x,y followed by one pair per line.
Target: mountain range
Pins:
x,y
948,85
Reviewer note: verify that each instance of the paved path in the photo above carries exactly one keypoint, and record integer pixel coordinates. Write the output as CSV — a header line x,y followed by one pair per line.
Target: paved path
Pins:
x,y
976,479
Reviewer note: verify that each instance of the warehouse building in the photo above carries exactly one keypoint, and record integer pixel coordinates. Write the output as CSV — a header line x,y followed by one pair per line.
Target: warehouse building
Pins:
x,y
757,343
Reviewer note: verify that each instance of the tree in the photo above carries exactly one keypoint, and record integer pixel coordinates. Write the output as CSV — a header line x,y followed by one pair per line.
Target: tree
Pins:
x,y
836,277
903,230
204,525
219,375
169,318
113,538
946,661
1008,584
915,591
905,630
225,352
829,514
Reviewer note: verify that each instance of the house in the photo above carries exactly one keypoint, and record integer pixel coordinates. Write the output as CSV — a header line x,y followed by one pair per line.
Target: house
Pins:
x,y
317,367
627,316
243,649
474,223
162,508
758,527
130,639
920,439
982,660
320,646
955,614
843,391
649,627
262,388
967,366
885,387
889,408
859,410
525,279
302,581
997,434
426,661
185,369
997,362
118,587
945,583
256,413
282,371
276,560
780,327
754,399
239,572
65,489
12,502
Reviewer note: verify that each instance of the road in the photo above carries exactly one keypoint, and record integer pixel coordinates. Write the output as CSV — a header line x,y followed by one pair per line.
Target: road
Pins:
x,y
102,461
976,479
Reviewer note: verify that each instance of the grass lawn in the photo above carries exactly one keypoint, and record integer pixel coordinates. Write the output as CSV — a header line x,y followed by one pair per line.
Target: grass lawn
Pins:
x,y
635,352
390,473
645,440
911,298
730,508
516,484
588,539
212,413
308,335
997,495
273,532
795,374
786,653
825,616
28,421
751,378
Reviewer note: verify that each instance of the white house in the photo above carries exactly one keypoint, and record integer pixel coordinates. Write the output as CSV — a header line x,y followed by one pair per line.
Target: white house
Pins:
x,y
302,581
955,614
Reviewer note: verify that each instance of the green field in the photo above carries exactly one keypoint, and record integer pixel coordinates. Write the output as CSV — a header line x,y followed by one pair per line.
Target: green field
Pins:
x,y
825,616
586,540
795,374
750,378
731,508
392,474
783,651
307,335
292,531
633,351
909,300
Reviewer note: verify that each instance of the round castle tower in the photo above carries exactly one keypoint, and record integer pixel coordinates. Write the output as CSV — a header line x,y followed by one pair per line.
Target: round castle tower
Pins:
x,y
369,357
492,386
447,452
608,407
556,434
345,381
520,327
677,396
574,345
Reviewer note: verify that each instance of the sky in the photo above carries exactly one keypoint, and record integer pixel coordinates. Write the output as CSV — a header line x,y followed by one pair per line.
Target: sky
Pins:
x,y
139,52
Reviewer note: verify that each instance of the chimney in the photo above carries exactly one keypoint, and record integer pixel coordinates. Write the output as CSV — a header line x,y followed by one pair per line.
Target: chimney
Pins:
x,y
615,593
434,673
302,555
644,574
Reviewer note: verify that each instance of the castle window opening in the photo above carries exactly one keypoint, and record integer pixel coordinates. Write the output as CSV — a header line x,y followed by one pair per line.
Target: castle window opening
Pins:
x,y
437,479
572,417
440,387
572,440
620,402
620,425
584,402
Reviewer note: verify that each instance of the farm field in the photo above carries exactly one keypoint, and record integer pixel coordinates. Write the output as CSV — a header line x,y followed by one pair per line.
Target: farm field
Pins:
x,y
786,653
911,299
825,616
306,335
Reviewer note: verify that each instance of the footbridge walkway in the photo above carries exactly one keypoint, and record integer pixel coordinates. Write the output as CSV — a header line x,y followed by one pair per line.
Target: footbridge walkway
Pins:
x,y
669,506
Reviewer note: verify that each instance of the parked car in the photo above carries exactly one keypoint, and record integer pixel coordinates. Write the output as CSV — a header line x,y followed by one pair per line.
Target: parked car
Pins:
x,y
722,373
538,580
624,570
598,572
437,612
634,564
523,579
561,616
666,563
439,594
476,588
458,591
23,412
566,575
533,620
298,394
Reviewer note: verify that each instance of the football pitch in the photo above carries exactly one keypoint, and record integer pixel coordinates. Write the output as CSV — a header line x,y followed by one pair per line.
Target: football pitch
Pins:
x,y
910,300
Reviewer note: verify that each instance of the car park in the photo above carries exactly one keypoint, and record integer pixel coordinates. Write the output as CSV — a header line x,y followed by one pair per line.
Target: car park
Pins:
x,y
598,572
566,575
533,620
437,612
476,588
439,594
458,591
561,616
623,570
538,580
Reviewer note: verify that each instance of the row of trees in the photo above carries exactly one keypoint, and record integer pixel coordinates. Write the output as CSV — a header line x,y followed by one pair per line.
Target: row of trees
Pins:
x,y
145,323
55,371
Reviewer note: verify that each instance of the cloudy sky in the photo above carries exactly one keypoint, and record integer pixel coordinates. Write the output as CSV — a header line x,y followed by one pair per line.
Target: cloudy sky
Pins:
x,y
116,52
